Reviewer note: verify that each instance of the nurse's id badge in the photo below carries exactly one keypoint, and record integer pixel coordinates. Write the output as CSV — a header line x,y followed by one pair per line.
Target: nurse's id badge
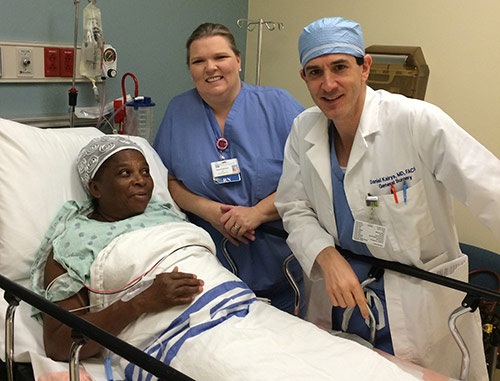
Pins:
x,y
226,171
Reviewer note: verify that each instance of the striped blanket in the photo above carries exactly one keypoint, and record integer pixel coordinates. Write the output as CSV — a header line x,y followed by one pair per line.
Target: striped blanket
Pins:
x,y
225,334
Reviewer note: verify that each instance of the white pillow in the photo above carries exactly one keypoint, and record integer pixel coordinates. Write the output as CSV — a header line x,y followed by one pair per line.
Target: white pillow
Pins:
x,y
38,174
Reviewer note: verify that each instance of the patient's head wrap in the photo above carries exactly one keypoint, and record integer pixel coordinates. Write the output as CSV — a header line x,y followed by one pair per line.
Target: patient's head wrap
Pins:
x,y
97,151
330,35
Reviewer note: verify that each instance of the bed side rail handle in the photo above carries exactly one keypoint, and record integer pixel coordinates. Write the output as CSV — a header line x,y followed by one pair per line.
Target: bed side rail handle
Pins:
x,y
9,333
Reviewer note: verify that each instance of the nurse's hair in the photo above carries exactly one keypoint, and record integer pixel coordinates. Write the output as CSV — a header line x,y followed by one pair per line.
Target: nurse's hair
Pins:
x,y
209,29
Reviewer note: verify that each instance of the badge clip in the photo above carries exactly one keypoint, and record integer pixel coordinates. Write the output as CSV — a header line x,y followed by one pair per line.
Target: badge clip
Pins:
x,y
372,203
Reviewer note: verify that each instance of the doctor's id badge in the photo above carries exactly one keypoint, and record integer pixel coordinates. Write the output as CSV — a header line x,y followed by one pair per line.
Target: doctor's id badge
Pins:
x,y
226,171
368,233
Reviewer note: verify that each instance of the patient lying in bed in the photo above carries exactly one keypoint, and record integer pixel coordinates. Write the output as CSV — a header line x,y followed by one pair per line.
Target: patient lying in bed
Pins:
x,y
226,334
127,264
115,174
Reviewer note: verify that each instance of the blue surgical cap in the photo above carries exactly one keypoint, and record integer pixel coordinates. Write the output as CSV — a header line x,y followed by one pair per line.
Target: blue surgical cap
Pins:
x,y
330,35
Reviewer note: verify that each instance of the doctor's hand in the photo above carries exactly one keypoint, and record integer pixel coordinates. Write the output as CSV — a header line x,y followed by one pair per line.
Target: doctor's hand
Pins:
x,y
342,284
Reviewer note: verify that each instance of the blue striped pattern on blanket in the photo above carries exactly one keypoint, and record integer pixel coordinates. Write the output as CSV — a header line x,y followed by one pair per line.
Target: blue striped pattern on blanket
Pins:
x,y
228,299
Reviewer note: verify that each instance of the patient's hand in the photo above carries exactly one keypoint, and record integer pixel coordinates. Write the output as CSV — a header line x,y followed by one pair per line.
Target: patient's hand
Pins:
x,y
166,291
169,290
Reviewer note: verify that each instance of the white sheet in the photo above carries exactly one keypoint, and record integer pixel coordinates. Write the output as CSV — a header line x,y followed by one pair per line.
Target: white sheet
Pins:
x,y
267,344
42,161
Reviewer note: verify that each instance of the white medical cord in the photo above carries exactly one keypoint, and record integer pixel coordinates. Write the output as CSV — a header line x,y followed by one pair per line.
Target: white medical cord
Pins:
x,y
371,322
136,285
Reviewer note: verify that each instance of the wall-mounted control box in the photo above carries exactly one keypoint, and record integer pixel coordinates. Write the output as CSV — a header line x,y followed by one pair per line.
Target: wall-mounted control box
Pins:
x,y
22,61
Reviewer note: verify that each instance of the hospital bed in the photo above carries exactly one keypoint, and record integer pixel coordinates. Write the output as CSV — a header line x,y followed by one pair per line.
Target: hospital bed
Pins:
x,y
37,172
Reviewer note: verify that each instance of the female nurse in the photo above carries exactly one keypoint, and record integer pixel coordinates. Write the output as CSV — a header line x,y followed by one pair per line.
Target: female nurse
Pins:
x,y
223,143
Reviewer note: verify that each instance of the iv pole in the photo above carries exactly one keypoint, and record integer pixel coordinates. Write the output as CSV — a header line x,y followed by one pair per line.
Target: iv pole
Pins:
x,y
73,92
251,24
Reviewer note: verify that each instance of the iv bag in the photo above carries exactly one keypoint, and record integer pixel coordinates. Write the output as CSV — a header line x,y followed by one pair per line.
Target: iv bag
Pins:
x,y
92,44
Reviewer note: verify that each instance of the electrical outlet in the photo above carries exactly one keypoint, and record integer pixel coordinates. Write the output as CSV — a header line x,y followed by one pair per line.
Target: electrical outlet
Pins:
x,y
25,62
38,62
51,62
67,60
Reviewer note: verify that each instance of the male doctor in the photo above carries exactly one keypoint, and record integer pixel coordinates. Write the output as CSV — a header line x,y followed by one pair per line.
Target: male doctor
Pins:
x,y
374,173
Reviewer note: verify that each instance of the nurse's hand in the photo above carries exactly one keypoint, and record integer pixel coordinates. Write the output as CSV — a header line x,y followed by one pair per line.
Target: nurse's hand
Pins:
x,y
203,207
212,213
342,284
240,222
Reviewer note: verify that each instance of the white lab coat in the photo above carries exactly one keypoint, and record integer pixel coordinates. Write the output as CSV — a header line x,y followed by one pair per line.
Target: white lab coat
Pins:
x,y
398,139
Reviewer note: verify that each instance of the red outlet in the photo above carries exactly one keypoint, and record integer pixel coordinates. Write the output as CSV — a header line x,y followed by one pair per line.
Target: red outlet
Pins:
x,y
51,62
67,60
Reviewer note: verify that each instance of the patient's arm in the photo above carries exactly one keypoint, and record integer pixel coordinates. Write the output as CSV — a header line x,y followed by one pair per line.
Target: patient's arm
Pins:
x,y
167,290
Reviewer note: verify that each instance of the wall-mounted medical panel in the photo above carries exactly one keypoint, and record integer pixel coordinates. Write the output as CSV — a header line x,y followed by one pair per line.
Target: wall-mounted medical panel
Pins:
x,y
23,62
398,69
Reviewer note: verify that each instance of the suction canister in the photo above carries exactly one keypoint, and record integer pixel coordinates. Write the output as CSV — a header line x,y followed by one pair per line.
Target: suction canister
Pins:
x,y
139,117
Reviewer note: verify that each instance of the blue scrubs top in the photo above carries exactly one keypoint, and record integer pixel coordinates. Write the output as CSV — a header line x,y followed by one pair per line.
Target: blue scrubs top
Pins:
x,y
256,129
345,226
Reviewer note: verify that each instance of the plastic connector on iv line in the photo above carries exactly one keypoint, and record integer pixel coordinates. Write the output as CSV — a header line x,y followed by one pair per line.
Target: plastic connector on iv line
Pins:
x,y
141,286
96,91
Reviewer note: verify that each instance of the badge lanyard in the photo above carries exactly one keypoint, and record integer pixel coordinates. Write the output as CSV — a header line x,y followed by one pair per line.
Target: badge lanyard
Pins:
x,y
366,232
224,171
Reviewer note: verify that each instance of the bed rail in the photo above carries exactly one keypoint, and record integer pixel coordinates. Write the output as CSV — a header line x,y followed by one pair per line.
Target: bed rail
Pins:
x,y
473,297
15,292
471,290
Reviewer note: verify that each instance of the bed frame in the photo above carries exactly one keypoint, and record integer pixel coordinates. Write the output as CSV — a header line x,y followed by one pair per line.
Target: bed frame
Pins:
x,y
473,294
82,331
14,292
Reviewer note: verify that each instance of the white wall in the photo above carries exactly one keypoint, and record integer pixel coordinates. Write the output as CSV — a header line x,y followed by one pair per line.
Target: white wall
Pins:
x,y
460,40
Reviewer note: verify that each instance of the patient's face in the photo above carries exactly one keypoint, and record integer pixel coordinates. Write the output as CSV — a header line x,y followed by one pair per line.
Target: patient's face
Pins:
x,y
122,186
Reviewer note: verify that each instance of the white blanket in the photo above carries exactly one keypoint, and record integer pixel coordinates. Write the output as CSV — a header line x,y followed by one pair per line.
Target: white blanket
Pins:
x,y
265,344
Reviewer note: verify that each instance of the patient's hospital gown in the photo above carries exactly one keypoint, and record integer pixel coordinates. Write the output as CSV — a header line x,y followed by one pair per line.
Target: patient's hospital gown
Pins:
x,y
76,240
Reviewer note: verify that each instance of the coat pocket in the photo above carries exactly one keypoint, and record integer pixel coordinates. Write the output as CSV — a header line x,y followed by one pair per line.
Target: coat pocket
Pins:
x,y
409,223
